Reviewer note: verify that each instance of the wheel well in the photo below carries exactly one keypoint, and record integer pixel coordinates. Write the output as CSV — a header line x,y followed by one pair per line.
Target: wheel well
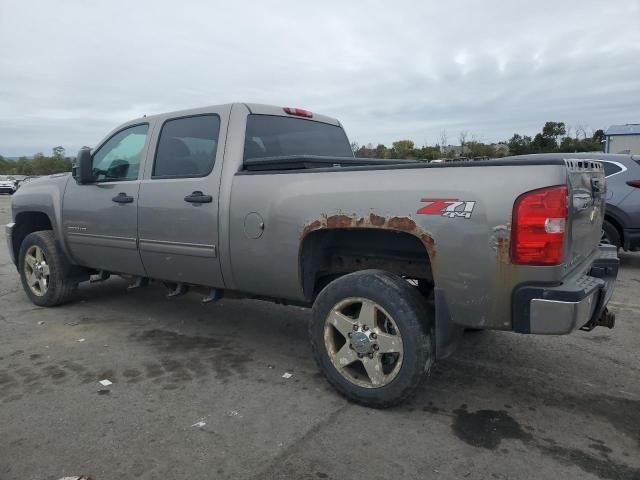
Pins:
x,y
617,226
329,254
26,223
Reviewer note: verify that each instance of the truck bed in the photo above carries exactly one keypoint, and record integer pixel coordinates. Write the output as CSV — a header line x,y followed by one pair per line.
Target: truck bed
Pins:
x,y
320,163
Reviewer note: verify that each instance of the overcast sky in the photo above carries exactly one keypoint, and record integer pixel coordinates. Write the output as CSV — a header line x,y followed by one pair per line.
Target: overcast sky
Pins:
x,y
70,71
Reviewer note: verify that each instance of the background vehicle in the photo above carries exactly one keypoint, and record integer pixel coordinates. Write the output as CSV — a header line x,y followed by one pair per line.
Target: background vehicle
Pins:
x,y
269,203
621,225
7,185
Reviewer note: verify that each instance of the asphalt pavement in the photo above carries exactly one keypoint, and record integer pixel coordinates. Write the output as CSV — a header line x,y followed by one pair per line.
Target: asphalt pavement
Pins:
x,y
200,392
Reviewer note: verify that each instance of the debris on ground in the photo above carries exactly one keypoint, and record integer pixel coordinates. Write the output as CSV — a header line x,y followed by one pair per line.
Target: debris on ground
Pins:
x,y
287,375
105,382
41,322
199,424
233,413
81,339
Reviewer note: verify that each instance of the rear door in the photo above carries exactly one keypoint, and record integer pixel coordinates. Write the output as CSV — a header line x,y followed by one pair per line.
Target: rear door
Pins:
x,y
178,208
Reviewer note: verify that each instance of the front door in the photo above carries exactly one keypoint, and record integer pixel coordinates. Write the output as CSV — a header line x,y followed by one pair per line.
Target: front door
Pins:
x,y
100,220
178,210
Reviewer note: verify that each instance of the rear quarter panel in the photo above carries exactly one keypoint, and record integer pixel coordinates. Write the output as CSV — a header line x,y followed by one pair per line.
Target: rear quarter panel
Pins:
x,y
469,257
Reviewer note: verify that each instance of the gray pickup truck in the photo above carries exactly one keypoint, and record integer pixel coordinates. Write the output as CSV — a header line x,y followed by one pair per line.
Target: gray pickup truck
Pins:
x,y
397,258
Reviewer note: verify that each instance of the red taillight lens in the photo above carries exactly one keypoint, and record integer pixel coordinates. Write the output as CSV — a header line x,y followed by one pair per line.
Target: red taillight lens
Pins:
x,y
634,183
539,226
298,112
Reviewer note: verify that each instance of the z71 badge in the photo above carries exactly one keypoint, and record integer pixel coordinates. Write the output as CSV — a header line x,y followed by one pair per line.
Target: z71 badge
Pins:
x,y
447,207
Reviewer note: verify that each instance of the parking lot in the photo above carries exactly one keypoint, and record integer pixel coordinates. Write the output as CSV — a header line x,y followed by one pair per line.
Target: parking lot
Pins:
x,y
198,392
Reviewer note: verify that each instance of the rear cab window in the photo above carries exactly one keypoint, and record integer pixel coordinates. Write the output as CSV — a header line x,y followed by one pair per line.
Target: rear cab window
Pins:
x,y
275,136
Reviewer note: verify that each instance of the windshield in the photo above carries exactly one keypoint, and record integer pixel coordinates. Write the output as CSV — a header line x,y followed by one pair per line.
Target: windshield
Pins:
x,y
273,136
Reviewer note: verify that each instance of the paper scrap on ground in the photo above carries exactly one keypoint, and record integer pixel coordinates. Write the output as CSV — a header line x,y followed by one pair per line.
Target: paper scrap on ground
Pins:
x,y
41,322
199,424
287,375
105,382
81,339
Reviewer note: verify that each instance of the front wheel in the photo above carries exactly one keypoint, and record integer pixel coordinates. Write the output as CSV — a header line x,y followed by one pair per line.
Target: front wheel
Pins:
x,y
372,336
44,270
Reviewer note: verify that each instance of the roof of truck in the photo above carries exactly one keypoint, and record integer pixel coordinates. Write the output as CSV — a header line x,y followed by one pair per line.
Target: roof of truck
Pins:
x,y
255,108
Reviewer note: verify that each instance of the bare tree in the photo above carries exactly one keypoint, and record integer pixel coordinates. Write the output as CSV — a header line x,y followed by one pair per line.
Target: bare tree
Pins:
x,y
462,136
443,141
568,128
581,129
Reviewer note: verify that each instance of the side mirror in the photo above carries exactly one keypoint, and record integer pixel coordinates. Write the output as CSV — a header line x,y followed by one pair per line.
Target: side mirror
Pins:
x,y
83,169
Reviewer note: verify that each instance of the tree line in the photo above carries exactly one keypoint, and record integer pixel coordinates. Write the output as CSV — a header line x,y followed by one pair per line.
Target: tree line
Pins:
x,y
554,137
39,164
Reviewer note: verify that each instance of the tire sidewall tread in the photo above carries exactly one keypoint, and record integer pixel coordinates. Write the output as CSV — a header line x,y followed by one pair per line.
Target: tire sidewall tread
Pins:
x,y
61,288
412,315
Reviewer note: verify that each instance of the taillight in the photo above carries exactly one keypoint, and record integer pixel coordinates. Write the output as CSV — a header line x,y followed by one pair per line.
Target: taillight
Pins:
x,y
634,183
539,226
298,112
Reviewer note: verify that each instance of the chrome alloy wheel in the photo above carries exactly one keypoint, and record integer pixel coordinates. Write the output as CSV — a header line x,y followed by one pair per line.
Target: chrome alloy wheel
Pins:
x,y
363,342
36,270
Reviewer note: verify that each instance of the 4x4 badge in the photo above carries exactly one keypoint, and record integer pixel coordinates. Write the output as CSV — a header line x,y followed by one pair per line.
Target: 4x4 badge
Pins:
x,y
448,207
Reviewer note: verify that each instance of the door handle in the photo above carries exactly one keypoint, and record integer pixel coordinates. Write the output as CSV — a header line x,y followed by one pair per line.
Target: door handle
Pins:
x,y
122,198
198,197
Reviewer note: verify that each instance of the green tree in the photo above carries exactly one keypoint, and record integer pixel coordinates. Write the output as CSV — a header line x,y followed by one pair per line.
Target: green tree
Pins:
x,y
402,149
58,152
554,130
519,145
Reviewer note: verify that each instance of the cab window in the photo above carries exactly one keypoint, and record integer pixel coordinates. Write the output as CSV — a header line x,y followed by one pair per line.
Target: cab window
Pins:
x,y
119,157
187,147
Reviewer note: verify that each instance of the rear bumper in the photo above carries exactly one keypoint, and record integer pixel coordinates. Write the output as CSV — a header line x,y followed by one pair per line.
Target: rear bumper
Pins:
x,y
563,308
9,228
631,239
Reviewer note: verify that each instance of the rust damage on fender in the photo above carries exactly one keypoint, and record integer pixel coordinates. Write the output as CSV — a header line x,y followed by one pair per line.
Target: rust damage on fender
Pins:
x,y
339,221
402,223
503,250
398,224
376,220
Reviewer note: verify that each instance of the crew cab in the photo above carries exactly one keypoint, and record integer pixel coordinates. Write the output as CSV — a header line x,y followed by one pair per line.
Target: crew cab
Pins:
x,y
397,258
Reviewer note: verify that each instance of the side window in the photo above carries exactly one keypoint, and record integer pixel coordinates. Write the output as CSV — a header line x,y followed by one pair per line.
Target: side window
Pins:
x,y
610,168
119,158
187,147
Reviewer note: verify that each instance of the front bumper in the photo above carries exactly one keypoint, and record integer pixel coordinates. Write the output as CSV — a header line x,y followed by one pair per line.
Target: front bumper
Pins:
x,y
7,190
563,308
8,229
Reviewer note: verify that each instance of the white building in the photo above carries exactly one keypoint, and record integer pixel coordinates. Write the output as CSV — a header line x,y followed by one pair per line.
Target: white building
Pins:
x,y
623,139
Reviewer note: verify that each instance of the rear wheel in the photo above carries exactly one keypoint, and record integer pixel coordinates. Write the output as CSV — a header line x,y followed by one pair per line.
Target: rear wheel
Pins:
x,y
610,235
372,337
44,271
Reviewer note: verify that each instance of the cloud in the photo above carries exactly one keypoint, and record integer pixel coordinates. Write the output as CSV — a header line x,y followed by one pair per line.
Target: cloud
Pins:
x,y
72,70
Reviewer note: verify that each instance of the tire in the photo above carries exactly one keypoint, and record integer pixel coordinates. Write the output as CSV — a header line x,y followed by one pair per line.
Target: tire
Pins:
x,y
61,286
402,318
610,234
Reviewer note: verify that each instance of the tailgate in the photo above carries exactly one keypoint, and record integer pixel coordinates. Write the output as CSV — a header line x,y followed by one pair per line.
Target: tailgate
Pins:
x,y
587,195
